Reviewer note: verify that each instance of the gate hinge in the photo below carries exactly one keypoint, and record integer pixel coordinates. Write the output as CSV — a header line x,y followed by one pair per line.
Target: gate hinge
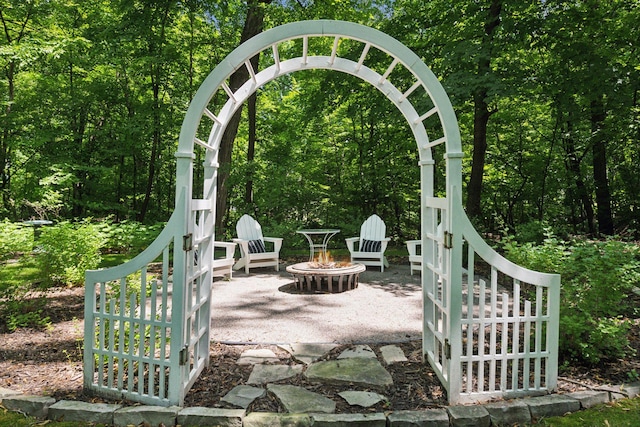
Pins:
x,y
187,242
447,349
184,355
448,240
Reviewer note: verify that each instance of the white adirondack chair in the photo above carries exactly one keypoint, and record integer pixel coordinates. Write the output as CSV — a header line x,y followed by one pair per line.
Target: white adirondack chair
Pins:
x,y
415,258
414,247
222,265
369,247
253,250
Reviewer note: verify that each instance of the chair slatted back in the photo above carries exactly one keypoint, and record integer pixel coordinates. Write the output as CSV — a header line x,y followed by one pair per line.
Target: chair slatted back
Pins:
x,y
248,228
372,229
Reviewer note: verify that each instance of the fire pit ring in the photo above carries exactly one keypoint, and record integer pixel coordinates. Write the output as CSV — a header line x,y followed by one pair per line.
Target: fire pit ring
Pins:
x,y
333,280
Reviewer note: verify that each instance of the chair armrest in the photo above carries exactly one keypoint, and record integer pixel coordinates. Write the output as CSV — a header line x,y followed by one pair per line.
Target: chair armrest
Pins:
x,y
244,246
384,242
412,246
229,247
277,242
351,243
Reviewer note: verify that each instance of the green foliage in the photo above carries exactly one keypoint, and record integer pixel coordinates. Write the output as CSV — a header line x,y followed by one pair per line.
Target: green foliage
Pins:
x,y
80,139
15,238
67,249
63,252
19,314
621,413
532,231
548,257
18,419
128,236
597,279
22,296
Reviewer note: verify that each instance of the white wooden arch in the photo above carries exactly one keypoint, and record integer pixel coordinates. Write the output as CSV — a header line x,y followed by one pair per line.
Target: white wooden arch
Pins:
x,y
507,318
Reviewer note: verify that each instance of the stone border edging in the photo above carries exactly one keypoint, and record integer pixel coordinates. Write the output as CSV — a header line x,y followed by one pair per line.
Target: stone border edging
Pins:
x,y
519,411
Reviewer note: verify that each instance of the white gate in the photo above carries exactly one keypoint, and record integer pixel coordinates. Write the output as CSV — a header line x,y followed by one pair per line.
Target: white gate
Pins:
x,y
490,327
151,348
146,331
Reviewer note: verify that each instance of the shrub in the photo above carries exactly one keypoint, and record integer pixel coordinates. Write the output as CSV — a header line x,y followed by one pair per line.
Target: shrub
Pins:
x,y
67,250
14,238
128,236
597,280
533,231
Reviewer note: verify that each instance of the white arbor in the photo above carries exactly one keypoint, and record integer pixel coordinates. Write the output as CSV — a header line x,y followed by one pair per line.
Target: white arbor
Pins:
x,y
490,327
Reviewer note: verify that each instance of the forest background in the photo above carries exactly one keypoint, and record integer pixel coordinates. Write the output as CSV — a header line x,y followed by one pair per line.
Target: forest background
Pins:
x,y
94,92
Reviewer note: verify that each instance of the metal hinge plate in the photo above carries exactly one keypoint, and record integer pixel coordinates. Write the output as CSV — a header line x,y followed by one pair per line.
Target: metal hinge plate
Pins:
x,y
184,355
187,242
448,240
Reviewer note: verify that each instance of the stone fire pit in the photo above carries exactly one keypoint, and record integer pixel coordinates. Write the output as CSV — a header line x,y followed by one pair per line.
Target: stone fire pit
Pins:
x,y
332,278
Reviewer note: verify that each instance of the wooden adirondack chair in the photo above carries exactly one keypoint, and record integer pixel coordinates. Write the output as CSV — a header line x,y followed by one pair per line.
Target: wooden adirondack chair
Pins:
x,y
368,249
222,264
253,251
415,258
414,247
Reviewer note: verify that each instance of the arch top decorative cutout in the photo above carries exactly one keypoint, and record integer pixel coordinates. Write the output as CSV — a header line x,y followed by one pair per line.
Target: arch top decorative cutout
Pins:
x,y
369,37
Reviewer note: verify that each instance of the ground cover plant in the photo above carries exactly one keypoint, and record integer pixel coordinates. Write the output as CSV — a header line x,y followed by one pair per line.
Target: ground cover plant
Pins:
x,y
600,294
622,413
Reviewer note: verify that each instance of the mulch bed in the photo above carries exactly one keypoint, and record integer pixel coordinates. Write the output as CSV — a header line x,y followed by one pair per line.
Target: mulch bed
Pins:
x,y
49,362
415,386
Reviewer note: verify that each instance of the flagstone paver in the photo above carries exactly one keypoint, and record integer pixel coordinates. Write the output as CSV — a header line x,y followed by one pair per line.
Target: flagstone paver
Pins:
x,y
308,353
367,372
361,398
300,400
36,406
509,412
263,374
145,415
71,410
351,420
424,418
243,395
392,354
359,351
589,398
257,356
553,405
5,392
270,419
200,416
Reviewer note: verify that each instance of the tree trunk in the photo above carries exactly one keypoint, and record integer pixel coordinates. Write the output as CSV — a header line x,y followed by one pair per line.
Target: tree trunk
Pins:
x,y
155,143
573,166
156,69
251,149
78,123
599,149
480,121
481,113
252,26
6,154
5,146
